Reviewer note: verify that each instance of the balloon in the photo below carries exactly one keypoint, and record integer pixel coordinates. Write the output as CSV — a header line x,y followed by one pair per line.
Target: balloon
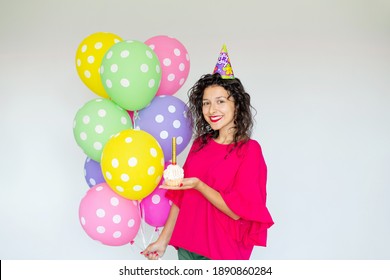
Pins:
x,y
156,208
93,172
131,74
89,56
108,217
174,60
132,163
131,114
96,122
165,118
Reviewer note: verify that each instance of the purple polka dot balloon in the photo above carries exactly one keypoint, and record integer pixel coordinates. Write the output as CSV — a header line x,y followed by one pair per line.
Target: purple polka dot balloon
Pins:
x,y
93,172
166,117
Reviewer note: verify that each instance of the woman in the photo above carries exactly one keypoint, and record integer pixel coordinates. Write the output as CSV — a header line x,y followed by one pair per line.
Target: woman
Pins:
x,y
219,211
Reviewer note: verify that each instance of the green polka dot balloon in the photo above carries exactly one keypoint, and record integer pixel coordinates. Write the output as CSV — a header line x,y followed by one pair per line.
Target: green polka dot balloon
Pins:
x,y
131,74
96,122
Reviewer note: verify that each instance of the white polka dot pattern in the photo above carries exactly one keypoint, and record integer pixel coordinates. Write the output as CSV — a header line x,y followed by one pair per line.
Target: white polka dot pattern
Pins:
x,y
132,163
89,56
133,75
175,63
107,217
164,118
156,208
96,122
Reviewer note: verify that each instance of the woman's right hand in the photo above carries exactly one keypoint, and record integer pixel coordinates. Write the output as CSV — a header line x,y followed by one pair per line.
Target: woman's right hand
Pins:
x,y
155,250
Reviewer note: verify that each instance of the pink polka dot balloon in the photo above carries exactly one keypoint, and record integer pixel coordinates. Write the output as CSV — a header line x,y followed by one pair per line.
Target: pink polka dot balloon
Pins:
x,y
107,217
156,208
174,61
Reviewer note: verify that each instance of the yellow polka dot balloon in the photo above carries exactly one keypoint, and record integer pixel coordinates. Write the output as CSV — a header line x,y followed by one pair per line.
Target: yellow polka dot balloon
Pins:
x,y
132,163
89,57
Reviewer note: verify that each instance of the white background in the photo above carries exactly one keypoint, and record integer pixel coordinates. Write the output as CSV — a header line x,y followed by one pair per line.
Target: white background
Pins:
x,y
318,74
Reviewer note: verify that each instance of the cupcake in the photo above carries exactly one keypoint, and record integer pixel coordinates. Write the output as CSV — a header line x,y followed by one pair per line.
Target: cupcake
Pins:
x,y
173,175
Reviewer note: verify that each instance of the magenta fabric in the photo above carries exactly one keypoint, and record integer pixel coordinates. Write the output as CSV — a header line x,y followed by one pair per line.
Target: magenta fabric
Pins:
x,y
241,180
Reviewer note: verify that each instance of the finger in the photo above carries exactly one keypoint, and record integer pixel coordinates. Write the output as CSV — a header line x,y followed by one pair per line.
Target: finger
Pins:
x,y
156,256
146,253
153,256
169,187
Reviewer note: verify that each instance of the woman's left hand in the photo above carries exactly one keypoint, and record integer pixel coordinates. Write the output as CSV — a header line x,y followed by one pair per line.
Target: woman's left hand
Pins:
x,y
187,183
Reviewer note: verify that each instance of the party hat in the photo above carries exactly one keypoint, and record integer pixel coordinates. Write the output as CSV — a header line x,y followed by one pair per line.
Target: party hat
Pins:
x,y
223,66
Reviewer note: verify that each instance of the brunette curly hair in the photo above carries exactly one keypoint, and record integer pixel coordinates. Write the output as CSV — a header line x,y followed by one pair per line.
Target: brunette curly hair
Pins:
x,y
243,117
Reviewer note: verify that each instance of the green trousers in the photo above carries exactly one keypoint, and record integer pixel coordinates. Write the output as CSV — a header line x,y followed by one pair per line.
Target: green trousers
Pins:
x,y
187,255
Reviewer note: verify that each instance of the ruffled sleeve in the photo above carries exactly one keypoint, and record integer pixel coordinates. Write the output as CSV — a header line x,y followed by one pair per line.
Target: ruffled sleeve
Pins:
x,y
175,197
247,199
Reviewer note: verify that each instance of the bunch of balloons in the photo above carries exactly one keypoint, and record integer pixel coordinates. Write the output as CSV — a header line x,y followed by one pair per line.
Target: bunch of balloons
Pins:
x,y
126,132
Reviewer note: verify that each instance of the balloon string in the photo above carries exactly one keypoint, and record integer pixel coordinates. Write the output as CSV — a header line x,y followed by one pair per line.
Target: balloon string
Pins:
x,y
151,237
158,231
142,226
142,229
135,243
154,232
135,117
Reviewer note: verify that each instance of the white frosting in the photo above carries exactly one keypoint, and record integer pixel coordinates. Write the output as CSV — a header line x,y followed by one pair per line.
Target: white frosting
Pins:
x,y
173,172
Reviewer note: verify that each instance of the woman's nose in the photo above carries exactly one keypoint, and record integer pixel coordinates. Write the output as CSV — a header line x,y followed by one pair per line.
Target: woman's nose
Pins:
x,y
212,108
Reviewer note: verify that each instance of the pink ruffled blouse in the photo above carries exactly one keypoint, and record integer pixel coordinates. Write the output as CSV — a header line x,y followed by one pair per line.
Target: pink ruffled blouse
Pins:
x,y
241,180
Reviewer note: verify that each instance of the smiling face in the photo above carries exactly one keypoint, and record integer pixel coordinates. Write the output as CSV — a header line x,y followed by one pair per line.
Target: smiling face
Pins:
x,y
218,109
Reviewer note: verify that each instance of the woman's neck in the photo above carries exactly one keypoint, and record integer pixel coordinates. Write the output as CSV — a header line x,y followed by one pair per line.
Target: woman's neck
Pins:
x,y
225,137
